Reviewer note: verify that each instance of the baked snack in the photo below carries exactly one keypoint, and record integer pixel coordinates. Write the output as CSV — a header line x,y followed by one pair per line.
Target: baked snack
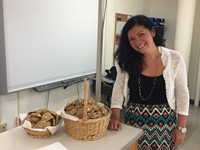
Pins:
x,y
95,110
42,118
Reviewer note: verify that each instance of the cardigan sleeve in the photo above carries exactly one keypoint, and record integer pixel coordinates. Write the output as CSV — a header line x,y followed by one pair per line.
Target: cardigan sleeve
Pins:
x,y
181,89
118,89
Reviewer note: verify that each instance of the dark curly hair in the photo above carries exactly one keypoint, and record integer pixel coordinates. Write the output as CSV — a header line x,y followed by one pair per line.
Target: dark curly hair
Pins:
x,y
128,59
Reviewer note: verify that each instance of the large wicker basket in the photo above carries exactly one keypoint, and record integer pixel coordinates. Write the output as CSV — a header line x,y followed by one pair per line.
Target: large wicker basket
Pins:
x,y
87,129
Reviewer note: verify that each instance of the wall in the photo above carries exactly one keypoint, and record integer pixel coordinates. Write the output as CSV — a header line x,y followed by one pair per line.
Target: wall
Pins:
x,y
162,6
195,54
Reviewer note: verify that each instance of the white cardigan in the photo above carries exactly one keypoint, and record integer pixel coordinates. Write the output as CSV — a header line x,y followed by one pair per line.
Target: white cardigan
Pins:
x,y
175,76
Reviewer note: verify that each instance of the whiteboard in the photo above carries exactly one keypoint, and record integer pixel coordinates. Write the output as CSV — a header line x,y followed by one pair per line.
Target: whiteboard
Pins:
x,y
46,41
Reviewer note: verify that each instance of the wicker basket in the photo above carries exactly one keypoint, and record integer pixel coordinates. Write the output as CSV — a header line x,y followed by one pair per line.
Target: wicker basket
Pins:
x,y
42,133
87,129
38,134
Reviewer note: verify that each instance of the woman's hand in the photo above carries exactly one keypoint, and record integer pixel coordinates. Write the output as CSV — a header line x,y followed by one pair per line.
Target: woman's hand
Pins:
x,y
178,137
114,124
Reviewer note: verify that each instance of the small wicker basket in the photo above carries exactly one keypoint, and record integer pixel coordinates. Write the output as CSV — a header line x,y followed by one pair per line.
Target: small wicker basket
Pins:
x,y
41,133
44,133
38,134
87,129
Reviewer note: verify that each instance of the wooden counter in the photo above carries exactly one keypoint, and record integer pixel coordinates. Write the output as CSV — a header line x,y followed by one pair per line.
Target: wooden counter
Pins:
x,y
125,139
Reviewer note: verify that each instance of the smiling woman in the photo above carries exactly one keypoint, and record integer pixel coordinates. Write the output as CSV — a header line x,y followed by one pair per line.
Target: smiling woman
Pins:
x,y
152,79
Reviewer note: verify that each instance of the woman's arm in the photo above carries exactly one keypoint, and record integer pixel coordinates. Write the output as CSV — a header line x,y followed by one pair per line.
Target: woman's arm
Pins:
x,y
117,100
182,119
181,89
118,89
178,136
182,103
115,123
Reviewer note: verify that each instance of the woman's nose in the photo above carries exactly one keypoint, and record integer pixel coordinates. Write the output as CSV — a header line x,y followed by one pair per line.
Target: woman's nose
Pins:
x,y
137,40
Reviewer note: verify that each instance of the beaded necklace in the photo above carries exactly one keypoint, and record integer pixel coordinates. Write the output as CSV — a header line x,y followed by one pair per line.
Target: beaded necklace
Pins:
x,y
140,91
153,87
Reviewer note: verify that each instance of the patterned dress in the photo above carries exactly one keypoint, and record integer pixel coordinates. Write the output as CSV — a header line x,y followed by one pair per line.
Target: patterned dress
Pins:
x,y
154,115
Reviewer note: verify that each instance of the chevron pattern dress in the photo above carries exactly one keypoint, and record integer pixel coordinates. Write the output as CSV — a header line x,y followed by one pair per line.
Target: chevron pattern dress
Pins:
x,y
157,122
154,115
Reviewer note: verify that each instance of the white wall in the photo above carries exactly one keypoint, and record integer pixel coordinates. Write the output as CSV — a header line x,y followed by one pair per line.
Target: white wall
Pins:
x,y
195,54
160,9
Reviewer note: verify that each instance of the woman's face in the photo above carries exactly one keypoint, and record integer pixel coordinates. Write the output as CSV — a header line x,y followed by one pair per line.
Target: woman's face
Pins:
x,y
141,39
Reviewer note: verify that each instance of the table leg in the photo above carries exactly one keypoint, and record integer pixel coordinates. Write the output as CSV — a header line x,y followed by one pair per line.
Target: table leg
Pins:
x,y
133,147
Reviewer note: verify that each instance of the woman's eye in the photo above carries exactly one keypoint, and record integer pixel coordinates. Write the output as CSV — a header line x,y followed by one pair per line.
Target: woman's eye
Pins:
x,y
141,34
130,39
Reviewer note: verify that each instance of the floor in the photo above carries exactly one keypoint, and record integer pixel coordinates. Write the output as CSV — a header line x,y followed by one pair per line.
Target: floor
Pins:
x,y
192,141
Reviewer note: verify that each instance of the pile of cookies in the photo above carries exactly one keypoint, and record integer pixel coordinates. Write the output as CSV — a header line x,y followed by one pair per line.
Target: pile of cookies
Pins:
x,y
95,110
42,118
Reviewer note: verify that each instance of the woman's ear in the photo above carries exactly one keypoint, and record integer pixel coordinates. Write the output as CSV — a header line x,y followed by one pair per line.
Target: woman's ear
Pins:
x,y
153,32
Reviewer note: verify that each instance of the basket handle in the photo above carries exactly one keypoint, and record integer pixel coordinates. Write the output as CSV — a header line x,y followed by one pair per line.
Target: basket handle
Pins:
x,y
85,101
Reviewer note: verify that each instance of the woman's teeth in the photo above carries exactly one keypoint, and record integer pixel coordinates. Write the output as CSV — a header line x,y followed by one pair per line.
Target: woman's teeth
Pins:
x,y
141,46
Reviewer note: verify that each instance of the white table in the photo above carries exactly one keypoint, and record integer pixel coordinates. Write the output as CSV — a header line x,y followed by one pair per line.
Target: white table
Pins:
x,y
17,139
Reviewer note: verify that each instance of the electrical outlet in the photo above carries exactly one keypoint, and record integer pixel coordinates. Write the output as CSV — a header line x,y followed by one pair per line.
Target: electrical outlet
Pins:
x,y
3,127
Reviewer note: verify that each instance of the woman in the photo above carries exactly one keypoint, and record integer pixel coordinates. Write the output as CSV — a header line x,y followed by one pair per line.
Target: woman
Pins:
x,y
152,83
